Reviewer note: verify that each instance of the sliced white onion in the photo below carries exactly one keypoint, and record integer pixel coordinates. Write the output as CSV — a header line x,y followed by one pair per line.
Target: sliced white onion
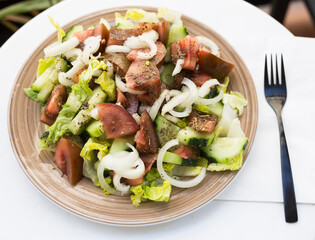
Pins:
x,y
117,48
125,164
137,118
157,104
137,42
172,93
57,49
228,114
74,52
153,49
174,182
175,101
106,24
209,101
209,44
91,45
65,78
205,88
235,130
193,92
122,87
171,118
100,175
110,68
178,66
123,188
182,114
94,114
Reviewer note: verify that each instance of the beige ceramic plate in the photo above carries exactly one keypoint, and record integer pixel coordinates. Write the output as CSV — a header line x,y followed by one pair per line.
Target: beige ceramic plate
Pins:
x,y
88,201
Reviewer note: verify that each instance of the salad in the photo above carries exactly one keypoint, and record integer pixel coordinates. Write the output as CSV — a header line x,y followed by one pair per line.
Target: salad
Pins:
x,y
138,106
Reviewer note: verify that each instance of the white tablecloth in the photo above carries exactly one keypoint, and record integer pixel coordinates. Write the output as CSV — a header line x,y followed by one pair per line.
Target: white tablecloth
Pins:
x,y
250,207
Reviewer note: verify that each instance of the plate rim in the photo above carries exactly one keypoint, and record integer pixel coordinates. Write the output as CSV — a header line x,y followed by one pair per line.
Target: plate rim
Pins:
x,y
113,223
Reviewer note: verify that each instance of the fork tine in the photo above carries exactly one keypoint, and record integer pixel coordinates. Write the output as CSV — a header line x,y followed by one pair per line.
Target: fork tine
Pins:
x,y
266,72
283,83
277,74
271,71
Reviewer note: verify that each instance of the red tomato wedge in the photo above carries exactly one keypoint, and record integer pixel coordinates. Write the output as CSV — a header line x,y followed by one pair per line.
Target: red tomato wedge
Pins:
x,y
190,47
163,29
122,99
57,99
69,161
186,152
199,78
146,138
116,120
83,35
213,65
101,30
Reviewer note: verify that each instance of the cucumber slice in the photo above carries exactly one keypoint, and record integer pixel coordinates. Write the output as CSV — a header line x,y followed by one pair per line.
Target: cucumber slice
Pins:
x,y
95,128
166,75
70,33
186,171
120,144
45,92
178,32
165,130
222,150
170,157
78,124
98,96
50,74
190,137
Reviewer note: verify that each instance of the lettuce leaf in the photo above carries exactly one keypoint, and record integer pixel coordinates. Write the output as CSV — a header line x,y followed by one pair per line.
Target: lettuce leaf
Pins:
x,y
139,15
153,187
121,22
44,64
88,155
171,16
154,193
236,100
108,85
32,94
87,152
60,127
61,32
232,164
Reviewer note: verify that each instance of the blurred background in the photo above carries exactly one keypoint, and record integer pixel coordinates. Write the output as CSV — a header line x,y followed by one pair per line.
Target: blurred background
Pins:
x,y
296,15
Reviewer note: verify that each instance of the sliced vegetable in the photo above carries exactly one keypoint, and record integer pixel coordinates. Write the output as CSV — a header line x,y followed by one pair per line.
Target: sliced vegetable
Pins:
x,y
69,161
190,137
166,130
146,138
202,122
214,66
116,120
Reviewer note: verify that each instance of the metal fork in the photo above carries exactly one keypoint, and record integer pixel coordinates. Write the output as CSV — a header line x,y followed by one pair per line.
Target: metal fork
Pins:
x,y
276,95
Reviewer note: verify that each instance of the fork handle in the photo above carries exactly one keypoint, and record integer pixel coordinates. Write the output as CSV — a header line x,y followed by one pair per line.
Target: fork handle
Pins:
x,y
287,179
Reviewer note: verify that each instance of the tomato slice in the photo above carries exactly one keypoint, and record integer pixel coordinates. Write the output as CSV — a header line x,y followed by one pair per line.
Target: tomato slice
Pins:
x,y
213,65
146,138
116,120
190,48
57,99
163,29
122,99
83,35
199,78
69,161
186,152
101,30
